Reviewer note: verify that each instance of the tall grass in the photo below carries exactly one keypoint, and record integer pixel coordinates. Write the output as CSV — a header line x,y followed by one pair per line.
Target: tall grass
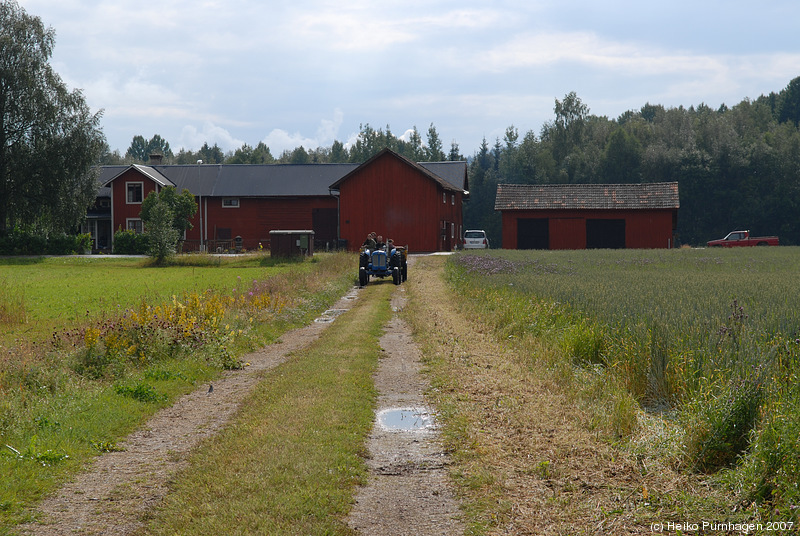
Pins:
x,y
709,338
12,304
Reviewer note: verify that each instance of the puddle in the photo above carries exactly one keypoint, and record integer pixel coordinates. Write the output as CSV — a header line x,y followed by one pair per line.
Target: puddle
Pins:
x,y
406,419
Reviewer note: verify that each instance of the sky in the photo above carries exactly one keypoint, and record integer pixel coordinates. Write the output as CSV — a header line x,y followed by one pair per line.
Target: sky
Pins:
x,y
309,72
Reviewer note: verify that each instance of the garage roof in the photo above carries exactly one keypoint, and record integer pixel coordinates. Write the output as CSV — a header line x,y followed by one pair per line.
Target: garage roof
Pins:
x,y
653,195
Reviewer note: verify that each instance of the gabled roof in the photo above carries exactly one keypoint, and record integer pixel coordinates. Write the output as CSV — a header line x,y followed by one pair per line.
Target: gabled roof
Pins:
x,y
148,171
451,176
653,195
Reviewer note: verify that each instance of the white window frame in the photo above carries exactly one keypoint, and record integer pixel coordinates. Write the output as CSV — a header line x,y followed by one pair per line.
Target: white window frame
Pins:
x,y
230,202
128,193
453,199
134,224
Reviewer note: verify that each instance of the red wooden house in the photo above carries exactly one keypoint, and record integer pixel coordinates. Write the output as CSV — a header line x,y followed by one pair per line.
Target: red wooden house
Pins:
x,y
419,204
246,201
579,216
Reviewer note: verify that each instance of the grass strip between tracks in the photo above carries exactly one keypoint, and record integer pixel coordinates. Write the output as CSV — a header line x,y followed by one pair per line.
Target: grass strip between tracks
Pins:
x,y
291,459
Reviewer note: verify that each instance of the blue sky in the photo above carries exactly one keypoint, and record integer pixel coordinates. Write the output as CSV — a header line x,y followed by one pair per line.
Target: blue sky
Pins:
x,y
310,72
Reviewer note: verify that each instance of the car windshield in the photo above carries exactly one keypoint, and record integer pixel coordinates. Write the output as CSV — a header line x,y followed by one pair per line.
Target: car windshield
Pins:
x,y
473,234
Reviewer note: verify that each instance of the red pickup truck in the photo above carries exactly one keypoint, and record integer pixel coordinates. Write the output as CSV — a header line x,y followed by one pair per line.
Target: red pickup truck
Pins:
x,y
743,238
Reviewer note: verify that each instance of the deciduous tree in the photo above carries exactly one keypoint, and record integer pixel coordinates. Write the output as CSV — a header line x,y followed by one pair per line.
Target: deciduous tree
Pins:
x,y
49,139
182,207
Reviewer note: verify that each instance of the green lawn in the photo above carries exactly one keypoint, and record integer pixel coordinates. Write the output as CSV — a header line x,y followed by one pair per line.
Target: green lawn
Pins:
x,y
59,292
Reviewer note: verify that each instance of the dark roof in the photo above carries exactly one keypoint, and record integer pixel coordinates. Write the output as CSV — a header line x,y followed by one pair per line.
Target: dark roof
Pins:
x,y
148,171
242,180
449,175
453,172
653,195
271,180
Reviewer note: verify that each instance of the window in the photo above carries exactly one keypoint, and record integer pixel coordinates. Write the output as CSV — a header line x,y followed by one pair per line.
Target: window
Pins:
x,y
230,202
444,198
453,199
135,193
135,225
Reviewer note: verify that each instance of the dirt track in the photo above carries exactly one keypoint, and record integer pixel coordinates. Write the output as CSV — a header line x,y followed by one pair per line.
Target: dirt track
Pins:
x,y
408,491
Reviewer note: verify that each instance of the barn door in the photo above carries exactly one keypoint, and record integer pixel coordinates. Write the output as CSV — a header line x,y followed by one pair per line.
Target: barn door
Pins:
x,y
533,233
607,234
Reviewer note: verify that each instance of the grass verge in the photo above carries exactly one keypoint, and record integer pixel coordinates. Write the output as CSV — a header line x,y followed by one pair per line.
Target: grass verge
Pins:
x,y
290,461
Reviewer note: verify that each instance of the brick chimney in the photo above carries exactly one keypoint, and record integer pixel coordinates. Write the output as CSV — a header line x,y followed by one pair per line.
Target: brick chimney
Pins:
x,y
155,159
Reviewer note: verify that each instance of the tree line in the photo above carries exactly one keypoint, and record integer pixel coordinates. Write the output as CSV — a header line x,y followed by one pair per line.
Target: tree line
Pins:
x,y
368,143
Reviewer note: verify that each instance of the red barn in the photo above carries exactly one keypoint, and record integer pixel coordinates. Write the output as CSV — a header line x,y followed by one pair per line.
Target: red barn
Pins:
x,y
414,204
579,216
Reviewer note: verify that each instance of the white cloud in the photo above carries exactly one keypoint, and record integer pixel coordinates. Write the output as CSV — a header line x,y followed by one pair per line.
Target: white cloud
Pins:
x,y
630,58
279,140
329,128
192,138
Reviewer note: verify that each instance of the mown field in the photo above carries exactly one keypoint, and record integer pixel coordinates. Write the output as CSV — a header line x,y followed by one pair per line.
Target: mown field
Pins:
x,y
701,349
90,348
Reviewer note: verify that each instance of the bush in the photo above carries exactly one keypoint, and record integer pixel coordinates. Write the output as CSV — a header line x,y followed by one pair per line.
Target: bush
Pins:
x,y
18,242
127,242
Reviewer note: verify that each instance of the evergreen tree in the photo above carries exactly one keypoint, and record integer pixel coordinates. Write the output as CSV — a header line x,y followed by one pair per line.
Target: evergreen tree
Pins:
x,y
434,151
455,153
338,154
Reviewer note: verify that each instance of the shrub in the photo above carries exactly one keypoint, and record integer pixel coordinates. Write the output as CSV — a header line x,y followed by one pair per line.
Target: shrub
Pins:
x,y
128,242
19,242
141,392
